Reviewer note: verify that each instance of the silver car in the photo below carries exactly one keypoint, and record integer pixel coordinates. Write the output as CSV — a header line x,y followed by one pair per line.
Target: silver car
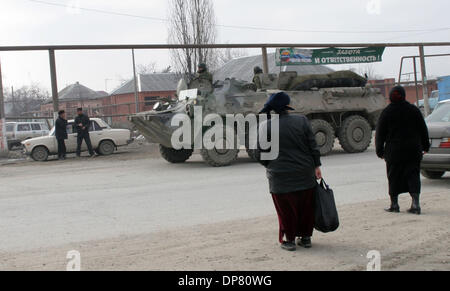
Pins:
x,y
16,132
437,161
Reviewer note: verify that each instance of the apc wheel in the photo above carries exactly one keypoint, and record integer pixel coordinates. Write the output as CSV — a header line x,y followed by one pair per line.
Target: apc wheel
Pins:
x,y
324,133
432,175
39,154
222,157
355,134
175,156
106,148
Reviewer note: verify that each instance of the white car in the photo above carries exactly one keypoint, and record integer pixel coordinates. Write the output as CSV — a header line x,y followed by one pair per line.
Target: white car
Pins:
x,y
105,140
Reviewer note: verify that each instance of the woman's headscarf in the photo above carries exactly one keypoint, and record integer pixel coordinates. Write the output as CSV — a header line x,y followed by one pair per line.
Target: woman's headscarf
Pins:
x,y
397,94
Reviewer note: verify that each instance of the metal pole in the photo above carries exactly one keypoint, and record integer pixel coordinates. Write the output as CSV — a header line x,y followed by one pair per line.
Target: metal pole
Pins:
x,y
54,83
3,141
401,69
415,80
426,103
136,97
265,60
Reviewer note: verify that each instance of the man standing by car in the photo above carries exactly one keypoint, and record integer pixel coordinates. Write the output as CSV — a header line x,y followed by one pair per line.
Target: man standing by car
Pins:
x,y
82,123
61,134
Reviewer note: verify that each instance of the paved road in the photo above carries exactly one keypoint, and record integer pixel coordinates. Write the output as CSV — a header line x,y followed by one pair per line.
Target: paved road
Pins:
x,y
48,204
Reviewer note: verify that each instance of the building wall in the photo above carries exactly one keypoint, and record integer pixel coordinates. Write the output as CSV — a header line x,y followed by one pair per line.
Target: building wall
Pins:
x,y
387,84
91,107
124,104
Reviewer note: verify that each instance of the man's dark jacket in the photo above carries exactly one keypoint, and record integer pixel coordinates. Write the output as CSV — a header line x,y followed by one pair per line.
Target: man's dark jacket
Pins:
x,y
61,128
402,134
85,121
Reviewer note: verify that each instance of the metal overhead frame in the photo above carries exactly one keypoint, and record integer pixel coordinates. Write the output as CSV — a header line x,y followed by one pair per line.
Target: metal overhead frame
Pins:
x,y
264,46
424,76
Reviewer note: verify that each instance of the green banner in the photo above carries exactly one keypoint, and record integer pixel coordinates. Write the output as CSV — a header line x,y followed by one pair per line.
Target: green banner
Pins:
x,y
329,56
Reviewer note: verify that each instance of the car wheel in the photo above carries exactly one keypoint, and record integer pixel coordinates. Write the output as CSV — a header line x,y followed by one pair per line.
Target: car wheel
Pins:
x,y
432,174
39,154
106,148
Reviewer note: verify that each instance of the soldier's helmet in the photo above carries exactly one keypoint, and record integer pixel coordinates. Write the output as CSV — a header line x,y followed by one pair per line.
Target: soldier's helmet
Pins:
x,y
257,70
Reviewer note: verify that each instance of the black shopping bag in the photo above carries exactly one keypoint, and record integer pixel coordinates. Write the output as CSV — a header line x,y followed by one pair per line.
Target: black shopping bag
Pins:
x,y
326,217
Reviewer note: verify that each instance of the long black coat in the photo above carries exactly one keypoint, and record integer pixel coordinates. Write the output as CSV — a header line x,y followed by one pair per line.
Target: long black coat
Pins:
x,y
402,134
61,128
401,139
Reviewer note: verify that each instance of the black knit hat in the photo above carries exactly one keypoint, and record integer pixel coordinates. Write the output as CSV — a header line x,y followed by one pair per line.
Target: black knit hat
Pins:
x,y
397,94
278,102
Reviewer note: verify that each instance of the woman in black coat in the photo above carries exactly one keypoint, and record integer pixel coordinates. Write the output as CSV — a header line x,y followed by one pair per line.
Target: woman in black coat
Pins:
x,y
401,140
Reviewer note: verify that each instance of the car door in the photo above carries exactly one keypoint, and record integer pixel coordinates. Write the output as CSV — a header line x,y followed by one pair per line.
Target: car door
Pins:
x,y
36,129
71,141
96,134
23,131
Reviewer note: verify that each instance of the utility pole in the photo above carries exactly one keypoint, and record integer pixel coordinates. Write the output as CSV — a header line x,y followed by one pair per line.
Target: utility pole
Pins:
x,y
265,60
426,103
54,82
136,97
3,141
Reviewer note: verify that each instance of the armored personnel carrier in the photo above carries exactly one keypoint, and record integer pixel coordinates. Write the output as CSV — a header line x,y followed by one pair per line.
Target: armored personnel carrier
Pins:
x,y
348,111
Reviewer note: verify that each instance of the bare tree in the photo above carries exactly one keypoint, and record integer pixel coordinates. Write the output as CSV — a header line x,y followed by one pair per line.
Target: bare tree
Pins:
x,y
146,69
26,99
229,54
192,22
367,70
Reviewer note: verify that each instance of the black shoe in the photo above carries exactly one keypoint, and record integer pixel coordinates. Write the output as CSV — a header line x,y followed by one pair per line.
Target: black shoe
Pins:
x,y
288,246
416,211
304,242
415,206
395,208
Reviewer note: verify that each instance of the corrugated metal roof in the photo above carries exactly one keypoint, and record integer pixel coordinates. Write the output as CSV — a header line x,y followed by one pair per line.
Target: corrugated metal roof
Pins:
x,y
242,68
150,83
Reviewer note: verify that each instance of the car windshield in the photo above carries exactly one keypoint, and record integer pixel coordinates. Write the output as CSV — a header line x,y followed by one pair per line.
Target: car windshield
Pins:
x,y
441,114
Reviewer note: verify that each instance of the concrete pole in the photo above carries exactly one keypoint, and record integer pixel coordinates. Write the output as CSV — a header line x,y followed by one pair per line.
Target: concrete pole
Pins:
x,y
136,96
265,60
54,83
3,141
426,103
415,80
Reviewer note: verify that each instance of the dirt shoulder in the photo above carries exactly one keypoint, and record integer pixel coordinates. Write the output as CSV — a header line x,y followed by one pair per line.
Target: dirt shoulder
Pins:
x,y
406,242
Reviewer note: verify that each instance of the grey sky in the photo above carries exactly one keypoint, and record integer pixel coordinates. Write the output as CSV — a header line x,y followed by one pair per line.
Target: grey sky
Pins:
x,y
24,22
